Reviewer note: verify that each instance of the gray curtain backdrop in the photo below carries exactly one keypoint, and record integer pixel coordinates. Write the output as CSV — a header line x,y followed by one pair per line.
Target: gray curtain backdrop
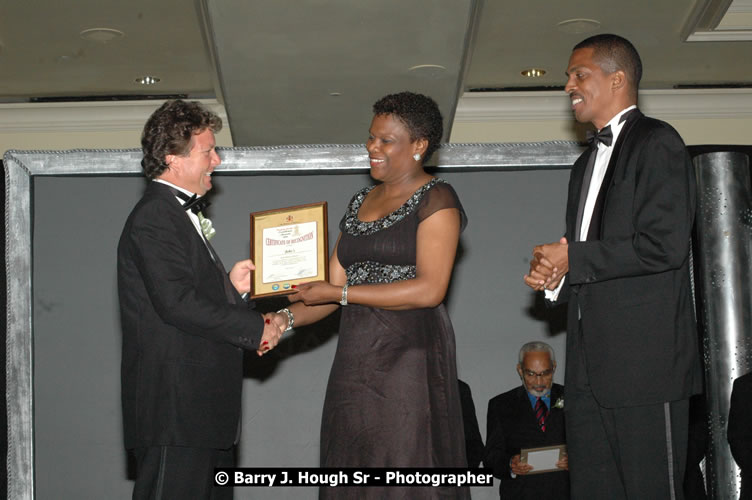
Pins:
x,y
76,333
77,222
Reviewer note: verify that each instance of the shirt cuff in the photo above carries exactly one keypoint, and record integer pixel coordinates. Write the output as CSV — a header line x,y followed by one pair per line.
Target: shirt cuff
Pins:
x,y
552,295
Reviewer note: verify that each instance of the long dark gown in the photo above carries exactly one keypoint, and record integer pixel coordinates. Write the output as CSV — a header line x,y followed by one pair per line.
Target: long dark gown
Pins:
x,y
392,398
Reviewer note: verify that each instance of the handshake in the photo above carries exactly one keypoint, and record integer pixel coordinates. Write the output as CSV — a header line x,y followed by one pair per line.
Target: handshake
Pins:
x,y
275,324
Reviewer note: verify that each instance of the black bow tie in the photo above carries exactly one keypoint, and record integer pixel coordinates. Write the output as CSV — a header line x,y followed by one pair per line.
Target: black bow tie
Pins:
x,y
196,204
604,135
192,203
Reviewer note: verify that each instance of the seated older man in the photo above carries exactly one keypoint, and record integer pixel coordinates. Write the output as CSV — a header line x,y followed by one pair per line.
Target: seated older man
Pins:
x,y
528,416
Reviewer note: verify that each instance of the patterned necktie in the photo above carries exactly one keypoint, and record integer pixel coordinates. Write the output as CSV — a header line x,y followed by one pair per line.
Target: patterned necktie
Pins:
x,y
541,412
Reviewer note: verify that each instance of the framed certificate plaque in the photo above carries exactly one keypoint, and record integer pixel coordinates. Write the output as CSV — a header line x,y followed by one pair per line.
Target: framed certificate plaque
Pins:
x,y
543,459
288,246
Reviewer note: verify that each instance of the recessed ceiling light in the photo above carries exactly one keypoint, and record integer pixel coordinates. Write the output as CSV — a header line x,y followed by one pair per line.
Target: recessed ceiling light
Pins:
x,y
335,94
578,26
533,72
101,35
428,70
147,80
426,66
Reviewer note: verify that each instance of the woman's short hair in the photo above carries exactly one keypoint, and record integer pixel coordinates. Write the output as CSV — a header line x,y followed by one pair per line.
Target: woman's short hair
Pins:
x,y
419,113
169,131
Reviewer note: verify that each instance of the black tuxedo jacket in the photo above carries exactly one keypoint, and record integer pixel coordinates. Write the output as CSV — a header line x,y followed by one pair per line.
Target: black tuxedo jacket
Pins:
x,y
740,431
630,287
183,329
473,440
511,426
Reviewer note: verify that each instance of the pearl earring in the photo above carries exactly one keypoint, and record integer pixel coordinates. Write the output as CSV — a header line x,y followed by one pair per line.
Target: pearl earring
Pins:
x,y
416,156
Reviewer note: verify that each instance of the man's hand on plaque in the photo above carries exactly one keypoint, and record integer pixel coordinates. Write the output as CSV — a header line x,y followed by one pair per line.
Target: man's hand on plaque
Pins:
x,y
240,275
518,467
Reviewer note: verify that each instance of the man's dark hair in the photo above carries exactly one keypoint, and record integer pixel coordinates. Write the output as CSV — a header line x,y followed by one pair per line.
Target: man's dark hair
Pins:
x,y
613,53
169,131
419,113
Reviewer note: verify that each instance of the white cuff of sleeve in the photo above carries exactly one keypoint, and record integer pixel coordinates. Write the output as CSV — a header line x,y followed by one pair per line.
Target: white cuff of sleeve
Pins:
x,y
552,295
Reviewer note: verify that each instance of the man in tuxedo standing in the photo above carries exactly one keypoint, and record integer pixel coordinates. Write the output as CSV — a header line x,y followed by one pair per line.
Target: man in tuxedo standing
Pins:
x,y
528,416
623,267
184,321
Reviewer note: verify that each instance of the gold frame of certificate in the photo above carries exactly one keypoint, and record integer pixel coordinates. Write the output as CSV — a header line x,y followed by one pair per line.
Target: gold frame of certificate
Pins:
x,y
289,246
544,458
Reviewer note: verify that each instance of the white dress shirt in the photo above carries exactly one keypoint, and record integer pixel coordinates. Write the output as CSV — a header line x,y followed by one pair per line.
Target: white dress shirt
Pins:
x,y
602,159
191,215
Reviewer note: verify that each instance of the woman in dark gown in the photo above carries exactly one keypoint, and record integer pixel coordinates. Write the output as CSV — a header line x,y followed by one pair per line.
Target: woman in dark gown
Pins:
x,y
392,398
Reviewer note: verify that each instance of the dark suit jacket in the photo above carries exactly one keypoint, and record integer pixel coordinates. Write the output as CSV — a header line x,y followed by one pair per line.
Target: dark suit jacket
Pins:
x,y
740,431
631,287
512,426
183,329
473,439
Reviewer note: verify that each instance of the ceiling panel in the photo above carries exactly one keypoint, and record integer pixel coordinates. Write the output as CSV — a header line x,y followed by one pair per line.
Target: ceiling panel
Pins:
x,y
42,54
513,36
275,64
279,67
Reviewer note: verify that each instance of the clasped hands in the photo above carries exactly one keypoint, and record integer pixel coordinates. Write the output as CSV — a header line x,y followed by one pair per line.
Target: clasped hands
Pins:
x,y
548,266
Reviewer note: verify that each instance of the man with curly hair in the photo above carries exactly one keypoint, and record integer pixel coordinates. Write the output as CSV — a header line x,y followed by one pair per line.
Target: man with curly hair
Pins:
x,y
185,323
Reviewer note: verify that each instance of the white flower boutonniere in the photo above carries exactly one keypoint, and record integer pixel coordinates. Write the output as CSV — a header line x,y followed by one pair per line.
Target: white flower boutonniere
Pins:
x,y
559,403
206,226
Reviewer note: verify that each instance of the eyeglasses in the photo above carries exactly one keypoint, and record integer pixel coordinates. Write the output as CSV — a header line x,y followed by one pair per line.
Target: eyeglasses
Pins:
x,y
543,374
